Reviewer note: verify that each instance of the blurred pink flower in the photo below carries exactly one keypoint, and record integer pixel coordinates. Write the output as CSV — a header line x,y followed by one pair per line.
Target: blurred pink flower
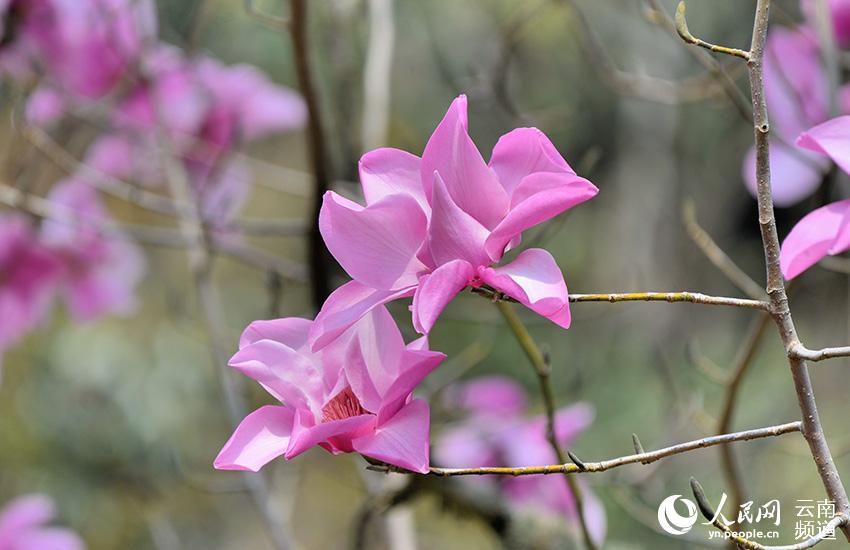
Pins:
x,y
28,276
825,231
100,271
839,11
797,94
23,526
353,396
435,225
206,109
498,434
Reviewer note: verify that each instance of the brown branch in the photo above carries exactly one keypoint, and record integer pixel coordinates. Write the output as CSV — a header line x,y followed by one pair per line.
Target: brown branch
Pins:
x,y
542,369
799,351
811,426
839,520
319,156
672,297
717,256
642,458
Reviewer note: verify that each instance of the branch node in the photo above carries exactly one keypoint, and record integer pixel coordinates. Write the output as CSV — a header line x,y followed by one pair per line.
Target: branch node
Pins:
x,y
582,467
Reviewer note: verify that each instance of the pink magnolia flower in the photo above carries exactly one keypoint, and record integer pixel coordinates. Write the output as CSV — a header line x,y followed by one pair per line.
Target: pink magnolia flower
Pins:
x,y
23,526
353,396
28,276
797,93
496,432
435,225
839,11
825,231
100,271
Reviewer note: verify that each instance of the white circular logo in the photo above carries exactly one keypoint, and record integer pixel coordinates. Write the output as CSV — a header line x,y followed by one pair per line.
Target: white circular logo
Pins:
x,y
671,521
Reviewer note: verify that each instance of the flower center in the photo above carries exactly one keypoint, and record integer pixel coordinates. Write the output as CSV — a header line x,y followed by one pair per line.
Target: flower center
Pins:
x,y
343,405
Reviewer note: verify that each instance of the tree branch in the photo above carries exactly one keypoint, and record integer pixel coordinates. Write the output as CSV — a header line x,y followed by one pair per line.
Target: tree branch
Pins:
x,y
682,29
799,351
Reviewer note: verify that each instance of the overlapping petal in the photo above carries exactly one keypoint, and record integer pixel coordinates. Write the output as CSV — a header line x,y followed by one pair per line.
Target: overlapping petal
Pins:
x,y
389,171
402,440
436,290
823,232
261,437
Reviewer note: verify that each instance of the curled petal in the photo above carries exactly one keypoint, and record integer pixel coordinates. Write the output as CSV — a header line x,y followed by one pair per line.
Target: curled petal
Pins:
x,y
471,183
832,138
376,245
289,376
402,440
345,306
534,280
436,290
539,197
291,331
522,152
416,366
335,435
825,231
389,171
261,437
453,234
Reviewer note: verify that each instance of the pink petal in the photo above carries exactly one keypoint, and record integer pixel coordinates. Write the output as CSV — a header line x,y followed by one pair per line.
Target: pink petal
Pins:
x,y
416,366
453,234
471,183
391,171
539,197
489,396
45,106
814,237
50,538
402,440
436,290
289,376
339,433
794,173
376,245
534,280
345,306
466,447
374,356
522,152
840,13
24,513
290,331
261,437
832,138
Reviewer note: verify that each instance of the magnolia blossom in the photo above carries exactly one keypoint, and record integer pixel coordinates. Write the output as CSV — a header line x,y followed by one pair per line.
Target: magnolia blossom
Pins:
x,y
839,12
28,277
437,224
496,432
353,396
825,231
23,526
797,94
206,109
99,273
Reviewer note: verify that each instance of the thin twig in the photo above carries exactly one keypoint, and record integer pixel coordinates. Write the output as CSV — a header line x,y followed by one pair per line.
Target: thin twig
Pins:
x,y
645,458
672,297
717,256
799,351
542,369
743,360
682,29
707,510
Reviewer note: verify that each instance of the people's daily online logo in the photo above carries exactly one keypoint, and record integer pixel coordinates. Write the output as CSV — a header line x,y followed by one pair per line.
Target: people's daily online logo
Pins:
x,y
671,520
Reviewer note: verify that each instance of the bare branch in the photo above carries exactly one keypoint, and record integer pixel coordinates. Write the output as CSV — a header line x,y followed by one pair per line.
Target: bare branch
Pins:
x,y
672,297
799,351
682,29
644,458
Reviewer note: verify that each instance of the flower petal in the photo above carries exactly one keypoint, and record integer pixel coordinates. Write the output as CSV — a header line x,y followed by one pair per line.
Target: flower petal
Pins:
x,y
390,171
522,152
376,245
453,234
373,357
261,437
337,433
488,396
436,290
25,512
794,173
534,280
345,306
416,366
471,183
49,538
290,331
832,138
538,198
289,376
814,237
401,441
